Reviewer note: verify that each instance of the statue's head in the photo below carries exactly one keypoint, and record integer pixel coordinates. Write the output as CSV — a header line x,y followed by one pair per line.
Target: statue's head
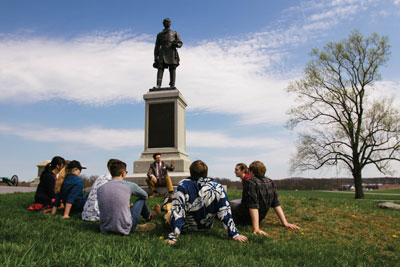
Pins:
x,y
167,22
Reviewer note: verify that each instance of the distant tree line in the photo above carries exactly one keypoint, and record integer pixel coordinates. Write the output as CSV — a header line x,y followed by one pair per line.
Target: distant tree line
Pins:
x,y
313,183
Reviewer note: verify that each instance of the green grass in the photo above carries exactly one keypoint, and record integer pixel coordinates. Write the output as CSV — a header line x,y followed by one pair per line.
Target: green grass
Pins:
x,y
387,191
336,230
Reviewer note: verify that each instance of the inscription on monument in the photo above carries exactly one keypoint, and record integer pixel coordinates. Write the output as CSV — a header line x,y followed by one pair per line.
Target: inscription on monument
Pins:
x,y
161,125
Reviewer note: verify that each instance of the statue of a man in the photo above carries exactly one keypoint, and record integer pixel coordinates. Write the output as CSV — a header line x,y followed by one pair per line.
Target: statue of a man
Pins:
x,y
165,53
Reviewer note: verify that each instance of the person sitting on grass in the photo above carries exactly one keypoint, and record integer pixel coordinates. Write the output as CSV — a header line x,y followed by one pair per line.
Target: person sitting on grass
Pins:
x,y
158,176
44,196
70,190
116,215
91,209
242,172
196,203
259,194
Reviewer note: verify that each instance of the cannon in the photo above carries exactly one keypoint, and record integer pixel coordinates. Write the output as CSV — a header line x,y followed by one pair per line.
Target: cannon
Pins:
x,y
13,181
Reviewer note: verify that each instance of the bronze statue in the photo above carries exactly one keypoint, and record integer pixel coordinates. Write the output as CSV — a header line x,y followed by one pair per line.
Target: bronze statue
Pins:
x,y
165,53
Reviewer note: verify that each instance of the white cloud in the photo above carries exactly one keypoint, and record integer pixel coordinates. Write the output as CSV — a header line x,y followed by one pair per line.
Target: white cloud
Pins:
x,y
243,76
107,139
110,139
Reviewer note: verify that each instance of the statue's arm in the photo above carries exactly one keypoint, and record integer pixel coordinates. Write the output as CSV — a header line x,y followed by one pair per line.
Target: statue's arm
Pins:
x,y
178,41
157,49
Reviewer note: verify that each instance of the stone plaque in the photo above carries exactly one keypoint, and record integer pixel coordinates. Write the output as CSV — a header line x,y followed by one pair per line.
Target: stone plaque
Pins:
x,y
161,125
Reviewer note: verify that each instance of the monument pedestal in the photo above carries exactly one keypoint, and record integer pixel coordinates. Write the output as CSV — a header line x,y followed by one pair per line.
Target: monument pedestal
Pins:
x,y
165,133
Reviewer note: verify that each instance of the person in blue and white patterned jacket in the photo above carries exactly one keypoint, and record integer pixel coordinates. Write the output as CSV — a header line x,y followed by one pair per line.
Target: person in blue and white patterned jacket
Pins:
x,y
196,203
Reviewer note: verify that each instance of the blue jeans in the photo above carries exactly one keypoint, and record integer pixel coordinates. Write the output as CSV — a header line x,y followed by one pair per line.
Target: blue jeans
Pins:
x,y
139,208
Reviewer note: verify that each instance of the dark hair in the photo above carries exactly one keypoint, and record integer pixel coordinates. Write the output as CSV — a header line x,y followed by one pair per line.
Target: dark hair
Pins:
x,y
111,161
198,169
57,160
258,169
155,155
243,167
117,168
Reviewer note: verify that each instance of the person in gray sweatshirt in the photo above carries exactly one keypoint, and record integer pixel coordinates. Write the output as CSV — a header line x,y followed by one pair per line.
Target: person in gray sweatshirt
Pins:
x,y
116,214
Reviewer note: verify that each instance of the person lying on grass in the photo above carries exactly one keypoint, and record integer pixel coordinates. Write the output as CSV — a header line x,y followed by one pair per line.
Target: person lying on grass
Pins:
x,y
70,189
259,194
196,203
116,215
91,209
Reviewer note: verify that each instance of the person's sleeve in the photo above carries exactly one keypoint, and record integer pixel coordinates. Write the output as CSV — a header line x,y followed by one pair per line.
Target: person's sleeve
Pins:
x,y
137,190
169,167
177,213
224,212
76,192
275,202
150,172
250,193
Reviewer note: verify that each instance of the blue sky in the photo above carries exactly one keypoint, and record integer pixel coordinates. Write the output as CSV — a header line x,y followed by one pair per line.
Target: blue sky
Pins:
x,y
73,75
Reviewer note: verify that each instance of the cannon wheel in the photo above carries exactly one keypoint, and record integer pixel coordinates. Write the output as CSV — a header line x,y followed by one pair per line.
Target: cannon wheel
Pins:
x,y
14,180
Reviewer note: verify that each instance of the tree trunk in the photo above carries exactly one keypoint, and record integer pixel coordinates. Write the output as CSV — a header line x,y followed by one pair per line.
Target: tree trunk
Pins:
x,y
358,183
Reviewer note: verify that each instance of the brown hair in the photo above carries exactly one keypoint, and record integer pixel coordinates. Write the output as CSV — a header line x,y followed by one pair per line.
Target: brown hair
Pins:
x,y
243,167
111,161
198,169
258,169
117,168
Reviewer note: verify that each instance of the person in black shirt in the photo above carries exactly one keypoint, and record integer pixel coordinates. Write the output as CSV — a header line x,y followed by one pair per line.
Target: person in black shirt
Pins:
x,y
45,191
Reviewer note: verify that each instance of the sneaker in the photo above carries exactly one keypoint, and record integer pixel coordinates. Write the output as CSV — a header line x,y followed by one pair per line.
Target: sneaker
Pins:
x,y
145,227
154,195
155,211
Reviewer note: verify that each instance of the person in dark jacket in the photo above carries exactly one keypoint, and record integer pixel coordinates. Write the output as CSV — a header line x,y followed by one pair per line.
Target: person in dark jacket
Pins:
x,y
45,194
71,191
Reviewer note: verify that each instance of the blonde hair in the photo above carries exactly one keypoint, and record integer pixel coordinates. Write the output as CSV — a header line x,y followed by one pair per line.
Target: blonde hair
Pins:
x,y
61,177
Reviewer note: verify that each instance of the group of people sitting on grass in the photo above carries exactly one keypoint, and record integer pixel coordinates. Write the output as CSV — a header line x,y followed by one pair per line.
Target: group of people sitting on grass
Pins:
x,y
193,207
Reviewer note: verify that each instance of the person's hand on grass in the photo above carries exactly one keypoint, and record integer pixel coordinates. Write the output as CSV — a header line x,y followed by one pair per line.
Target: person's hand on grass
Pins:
x,y
170,242
260,232
240,238
291,226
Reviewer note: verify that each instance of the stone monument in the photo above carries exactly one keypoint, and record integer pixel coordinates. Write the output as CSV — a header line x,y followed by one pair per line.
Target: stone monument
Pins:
x,y
165,133
165,119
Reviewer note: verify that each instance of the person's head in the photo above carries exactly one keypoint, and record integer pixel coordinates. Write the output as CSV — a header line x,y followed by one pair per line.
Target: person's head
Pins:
x,y
111,161
241,170
157,157
118,169
167,22
257,168
198,169
74,167
56,164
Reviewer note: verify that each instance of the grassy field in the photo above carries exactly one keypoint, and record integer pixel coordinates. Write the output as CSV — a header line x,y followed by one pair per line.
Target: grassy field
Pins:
x,y
336,230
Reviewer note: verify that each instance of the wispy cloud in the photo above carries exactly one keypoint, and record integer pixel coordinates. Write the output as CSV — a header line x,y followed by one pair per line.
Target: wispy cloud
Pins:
x,y
245,75
110,139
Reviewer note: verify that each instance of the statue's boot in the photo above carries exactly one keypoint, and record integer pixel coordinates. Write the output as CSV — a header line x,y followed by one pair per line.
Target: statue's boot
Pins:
x,y
160,73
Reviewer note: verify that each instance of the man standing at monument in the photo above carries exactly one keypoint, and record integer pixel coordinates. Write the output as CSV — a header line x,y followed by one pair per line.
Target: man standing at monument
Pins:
x,y
165,53
158,175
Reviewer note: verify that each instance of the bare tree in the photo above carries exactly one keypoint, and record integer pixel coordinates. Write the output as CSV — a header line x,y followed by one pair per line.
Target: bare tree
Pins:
x,y
341,123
